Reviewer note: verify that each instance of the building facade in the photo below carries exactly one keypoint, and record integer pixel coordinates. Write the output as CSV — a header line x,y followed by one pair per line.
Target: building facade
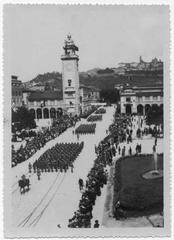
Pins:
x,y
17,98
45,105
88,96
70,77
154,65
140,99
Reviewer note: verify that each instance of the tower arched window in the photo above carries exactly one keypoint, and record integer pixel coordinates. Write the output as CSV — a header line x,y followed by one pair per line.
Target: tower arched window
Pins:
x,y
69,82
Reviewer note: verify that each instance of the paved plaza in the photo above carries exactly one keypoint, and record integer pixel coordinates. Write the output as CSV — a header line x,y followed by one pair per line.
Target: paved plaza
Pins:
x,y
56,196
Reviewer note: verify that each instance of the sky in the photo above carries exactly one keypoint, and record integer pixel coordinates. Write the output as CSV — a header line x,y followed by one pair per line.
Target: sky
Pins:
x,y
106,35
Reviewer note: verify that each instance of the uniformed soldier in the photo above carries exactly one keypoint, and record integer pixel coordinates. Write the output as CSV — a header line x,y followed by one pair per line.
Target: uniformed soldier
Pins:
x,y
38,173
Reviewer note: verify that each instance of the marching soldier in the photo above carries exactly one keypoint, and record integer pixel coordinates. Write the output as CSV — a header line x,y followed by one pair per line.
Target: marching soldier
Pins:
x,y
38,173
72,167
29,167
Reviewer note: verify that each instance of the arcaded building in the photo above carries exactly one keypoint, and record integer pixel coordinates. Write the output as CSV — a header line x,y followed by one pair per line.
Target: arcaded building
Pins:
x,y
140,99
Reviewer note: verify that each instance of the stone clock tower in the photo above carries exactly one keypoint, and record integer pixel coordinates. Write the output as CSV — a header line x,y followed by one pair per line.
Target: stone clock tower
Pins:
x,y
70,77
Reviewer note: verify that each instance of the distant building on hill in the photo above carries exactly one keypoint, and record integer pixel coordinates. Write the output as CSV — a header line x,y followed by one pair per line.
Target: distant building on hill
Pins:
x,y
155,65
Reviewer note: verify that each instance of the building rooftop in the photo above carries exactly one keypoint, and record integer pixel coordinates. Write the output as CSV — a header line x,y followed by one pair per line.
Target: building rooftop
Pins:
x,y
89,87
46,95
147,94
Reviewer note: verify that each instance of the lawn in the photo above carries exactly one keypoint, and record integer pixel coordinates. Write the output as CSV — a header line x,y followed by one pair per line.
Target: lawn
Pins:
x,y
138,196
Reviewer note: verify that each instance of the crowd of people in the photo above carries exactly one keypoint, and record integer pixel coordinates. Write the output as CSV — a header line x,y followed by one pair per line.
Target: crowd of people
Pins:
x,y
61,157
107,149
96,179
24,134
41,138
86,129
121,131
155,131
94,118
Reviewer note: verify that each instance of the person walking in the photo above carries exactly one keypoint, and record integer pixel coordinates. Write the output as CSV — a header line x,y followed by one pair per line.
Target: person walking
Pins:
x,y
72,167
155,141
140,148
29,167
154,148
38,173
130,151
119,150
81,184
96,224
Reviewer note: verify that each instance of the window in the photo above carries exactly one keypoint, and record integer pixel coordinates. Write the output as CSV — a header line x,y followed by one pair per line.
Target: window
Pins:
x,y
70,103
139,99
128,99
69,82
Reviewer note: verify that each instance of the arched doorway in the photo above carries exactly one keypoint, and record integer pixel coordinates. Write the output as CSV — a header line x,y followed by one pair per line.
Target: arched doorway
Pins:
x,y
39,113
155,108
52,113
59,112
32,111
147,108
46,113
161,107
128,109
140,109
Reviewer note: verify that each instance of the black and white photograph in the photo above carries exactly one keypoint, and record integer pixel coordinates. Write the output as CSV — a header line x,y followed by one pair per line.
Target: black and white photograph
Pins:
x,y
86,120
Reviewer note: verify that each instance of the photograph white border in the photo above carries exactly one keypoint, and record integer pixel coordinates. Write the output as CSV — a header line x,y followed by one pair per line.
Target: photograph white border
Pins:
x,y
168,107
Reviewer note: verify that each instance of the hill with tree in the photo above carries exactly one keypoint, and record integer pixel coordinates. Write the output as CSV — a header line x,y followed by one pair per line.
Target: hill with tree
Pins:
x,y
101,78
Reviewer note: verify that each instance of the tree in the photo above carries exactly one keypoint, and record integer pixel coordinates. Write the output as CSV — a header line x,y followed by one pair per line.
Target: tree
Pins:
x,y
24,118
109,95
155,115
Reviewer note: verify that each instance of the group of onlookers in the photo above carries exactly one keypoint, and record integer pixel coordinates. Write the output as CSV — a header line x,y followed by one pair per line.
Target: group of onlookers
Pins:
x,y
41,138
96,179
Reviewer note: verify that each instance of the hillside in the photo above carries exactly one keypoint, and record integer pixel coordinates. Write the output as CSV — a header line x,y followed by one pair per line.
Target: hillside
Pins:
x,y
100,78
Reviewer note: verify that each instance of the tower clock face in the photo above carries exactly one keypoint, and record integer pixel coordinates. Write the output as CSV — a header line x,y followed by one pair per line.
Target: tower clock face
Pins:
x,y
69,67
